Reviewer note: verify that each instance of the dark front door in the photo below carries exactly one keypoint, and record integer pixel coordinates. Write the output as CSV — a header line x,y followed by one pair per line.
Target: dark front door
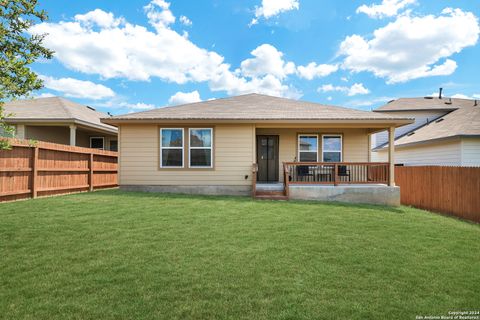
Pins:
x,y
267,158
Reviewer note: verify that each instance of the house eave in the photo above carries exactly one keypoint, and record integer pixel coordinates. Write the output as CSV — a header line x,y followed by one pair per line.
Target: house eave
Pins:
x,y
365,122
62,121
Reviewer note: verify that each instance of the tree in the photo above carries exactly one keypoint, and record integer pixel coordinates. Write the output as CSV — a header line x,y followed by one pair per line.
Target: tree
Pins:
x,y
19,49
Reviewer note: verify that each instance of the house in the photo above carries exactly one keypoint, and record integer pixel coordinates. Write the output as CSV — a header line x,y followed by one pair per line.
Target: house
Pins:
x,y
258,144
59,120
446,131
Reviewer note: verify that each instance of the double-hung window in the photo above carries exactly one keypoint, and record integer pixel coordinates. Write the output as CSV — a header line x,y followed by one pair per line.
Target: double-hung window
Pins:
x,y
200,147
332,148
171,148
308,148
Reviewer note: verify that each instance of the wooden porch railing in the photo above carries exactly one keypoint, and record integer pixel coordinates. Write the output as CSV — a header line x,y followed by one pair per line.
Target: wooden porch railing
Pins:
x,y
335,173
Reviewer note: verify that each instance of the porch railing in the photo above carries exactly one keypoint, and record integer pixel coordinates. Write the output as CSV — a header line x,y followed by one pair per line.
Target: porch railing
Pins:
x,y
335,173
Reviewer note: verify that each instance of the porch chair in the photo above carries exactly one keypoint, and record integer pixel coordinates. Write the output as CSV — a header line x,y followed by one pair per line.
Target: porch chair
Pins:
x,y
303,172
344,172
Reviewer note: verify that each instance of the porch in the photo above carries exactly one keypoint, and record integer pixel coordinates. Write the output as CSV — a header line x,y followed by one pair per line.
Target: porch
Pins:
x,y
326,164
325,181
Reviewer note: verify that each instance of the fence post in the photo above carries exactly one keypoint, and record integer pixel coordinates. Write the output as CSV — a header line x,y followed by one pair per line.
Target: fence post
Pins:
x,y
90,172
35,172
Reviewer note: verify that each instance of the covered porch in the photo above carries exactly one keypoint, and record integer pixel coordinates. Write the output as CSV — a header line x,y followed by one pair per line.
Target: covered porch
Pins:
x,y
329,164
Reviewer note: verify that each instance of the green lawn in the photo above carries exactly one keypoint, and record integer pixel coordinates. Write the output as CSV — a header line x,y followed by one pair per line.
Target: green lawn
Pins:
x,y
116,255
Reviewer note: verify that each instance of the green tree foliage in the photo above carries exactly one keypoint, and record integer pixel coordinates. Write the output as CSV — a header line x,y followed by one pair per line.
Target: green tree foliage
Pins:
x,y
18,49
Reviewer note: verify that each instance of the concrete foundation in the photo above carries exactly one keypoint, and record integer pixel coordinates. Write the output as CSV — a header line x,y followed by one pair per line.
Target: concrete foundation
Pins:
x,y
207,190
368,194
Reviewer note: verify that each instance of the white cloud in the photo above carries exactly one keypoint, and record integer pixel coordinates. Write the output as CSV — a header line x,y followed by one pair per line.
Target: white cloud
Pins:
x,y
100,18
387,8
184,20
464,96
369,103
412,47
460,96
120,104
271,8
43,95
354,90
162,18
118,49
77,88
184,97
266,60
313,70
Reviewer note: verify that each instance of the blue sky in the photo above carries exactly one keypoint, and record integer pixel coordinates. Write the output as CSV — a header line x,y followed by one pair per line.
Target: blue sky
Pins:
x,y
126,56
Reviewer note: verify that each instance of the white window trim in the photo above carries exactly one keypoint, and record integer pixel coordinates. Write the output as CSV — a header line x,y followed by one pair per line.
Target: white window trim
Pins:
x,y
298,145
103,142
162,147
190,148
341,145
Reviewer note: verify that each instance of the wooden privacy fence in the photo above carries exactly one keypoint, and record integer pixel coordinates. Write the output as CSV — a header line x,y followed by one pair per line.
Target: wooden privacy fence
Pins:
x,y
41,169
450,190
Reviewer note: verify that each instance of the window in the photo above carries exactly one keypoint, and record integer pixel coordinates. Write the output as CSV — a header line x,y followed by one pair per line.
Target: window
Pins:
x,y
113,145
308,148
97,143
171,148
200,147
332,148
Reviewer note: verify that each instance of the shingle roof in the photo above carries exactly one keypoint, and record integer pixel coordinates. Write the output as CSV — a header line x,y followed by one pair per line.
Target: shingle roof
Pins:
x,y
424,103
55,109
254,107
464,120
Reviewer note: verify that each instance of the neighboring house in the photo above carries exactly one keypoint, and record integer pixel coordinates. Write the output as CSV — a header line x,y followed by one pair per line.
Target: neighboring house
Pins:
x,y
216,146
446,131
61,121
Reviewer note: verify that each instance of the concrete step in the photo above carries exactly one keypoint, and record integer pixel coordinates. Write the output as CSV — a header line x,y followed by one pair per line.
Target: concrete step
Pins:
x,y
269,186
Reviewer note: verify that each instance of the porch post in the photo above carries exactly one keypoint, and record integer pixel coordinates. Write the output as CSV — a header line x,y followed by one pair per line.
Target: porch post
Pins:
x,y
369,147
20,131
391,155
73,134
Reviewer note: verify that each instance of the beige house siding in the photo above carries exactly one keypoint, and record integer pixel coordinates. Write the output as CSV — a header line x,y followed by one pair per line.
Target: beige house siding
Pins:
x,y
55,134
447,153
140,156
471,152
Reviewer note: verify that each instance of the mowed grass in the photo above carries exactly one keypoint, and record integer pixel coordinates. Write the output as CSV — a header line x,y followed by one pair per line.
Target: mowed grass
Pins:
x,y
117,255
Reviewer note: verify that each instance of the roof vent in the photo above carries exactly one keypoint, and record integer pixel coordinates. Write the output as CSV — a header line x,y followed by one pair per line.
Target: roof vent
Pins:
x,y
439,120
91,108
427,97
411,134
475,104
440,93
449,101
